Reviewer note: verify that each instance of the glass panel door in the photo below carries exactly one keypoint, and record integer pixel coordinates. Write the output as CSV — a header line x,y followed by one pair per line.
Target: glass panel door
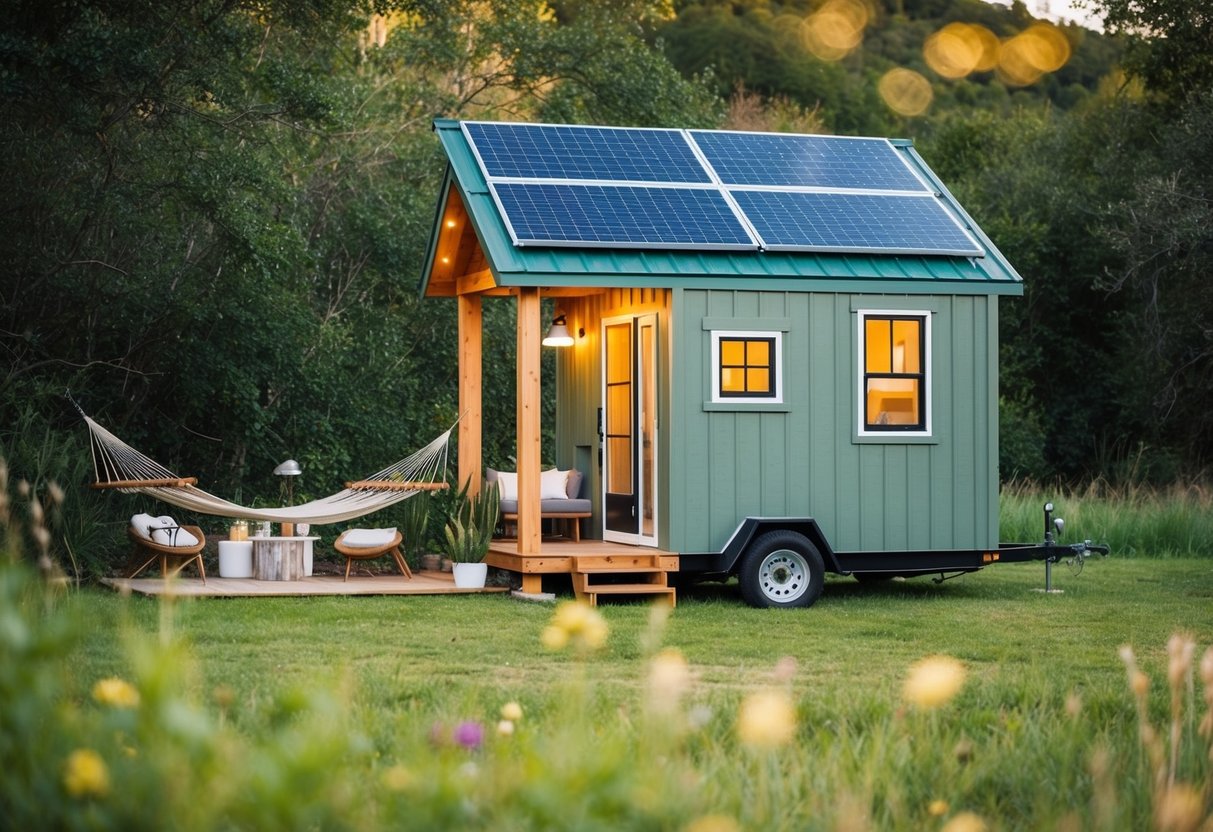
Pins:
x,y
629,397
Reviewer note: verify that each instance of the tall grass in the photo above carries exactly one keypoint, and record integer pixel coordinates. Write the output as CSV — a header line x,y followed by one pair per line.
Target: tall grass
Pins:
x,y
1135,520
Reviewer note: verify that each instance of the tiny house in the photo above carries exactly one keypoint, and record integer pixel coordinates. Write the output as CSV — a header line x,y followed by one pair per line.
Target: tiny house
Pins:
x,y
783,358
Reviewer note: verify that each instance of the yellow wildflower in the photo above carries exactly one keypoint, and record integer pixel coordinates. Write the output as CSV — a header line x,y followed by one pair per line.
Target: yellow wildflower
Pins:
x,y
505,728
577,624
965,822
937,808
934,681
767,719
85,774
397,778
713,823
116,693
511,711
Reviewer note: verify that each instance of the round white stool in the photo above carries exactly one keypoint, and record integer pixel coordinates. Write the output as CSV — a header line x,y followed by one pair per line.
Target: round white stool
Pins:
x,y
235,559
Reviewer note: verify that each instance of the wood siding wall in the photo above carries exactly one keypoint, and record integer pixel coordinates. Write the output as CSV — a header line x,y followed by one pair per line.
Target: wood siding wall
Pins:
x,y
806,459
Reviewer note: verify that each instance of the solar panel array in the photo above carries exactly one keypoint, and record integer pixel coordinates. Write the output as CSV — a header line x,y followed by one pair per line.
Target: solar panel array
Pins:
x,y
565,185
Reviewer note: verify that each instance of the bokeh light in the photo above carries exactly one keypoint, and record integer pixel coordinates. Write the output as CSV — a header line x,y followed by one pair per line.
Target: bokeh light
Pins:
x,y
1024,58
905,91
959,49
835,29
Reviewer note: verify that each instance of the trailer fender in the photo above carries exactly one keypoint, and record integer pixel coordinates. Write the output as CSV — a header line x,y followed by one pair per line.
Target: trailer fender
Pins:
x,y
751,528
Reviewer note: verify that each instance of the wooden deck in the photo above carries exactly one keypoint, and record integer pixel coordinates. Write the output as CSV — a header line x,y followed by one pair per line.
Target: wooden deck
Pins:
x,y
423,583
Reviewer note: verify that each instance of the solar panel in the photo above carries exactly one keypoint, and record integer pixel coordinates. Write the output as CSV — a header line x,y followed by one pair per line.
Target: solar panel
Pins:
x,y
611,154
830,162
881,223
621,216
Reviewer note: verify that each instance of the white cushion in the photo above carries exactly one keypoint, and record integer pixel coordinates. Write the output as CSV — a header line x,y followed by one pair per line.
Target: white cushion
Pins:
x,y
507,485
141,522
553,485
175,537
368,538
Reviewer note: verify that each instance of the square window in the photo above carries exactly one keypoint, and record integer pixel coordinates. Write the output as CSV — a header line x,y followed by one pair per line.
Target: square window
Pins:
x,y
746,366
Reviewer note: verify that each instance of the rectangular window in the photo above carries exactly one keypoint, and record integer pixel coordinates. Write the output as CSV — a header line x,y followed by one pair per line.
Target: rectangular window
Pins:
x,y
894,361
745,366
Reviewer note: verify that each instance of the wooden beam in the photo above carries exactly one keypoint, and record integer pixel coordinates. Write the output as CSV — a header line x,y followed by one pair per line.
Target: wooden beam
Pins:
x,y
528,417
467,284
571,291
470,391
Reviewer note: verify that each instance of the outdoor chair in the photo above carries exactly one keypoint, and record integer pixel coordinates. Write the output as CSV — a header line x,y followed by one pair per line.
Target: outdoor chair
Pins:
x,y
160,538
368,544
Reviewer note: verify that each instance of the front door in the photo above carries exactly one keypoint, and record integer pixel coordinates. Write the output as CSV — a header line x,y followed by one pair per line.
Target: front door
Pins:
x,y
629,398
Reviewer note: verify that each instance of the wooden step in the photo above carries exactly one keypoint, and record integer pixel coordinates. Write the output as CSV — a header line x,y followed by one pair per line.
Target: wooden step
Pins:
x,y
591,596
616,570
616,563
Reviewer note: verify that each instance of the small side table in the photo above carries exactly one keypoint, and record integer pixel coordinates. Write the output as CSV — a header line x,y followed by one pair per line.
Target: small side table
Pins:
x,y
281,558
235,559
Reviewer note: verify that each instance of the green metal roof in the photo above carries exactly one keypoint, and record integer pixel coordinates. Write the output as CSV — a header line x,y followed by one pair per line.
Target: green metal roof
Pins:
x,y
756,270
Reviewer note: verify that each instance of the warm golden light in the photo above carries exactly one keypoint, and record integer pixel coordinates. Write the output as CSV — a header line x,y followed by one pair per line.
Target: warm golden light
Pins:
x,y
959,49
450,223
905,91
834,29
1036,50
446,261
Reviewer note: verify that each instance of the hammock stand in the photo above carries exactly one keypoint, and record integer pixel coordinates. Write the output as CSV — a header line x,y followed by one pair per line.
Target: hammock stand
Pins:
x,y
117,465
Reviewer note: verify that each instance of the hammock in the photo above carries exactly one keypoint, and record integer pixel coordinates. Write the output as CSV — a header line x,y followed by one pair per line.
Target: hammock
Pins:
x,y
119,466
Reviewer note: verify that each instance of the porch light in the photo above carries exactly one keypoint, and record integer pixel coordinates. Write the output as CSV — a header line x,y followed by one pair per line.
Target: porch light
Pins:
x,y
558,335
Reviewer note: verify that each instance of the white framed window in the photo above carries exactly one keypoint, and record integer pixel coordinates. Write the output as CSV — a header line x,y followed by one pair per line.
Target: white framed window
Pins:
x,y
747,366
894,373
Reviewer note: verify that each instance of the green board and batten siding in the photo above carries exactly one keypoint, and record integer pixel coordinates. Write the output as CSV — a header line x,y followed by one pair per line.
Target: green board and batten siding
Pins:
x,y
805,459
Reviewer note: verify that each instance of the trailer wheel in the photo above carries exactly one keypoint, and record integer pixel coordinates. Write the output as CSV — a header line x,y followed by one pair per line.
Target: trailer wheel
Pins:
x,y
781,569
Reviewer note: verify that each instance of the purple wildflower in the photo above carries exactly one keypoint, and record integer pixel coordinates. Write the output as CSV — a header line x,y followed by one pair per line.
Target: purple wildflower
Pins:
x,y
470,735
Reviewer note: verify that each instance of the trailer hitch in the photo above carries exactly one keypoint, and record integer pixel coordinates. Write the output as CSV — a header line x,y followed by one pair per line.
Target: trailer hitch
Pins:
x,y
1073,555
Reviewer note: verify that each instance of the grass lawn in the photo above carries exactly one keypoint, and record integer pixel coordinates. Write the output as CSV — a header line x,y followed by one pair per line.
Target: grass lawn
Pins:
x,y
446,648
1043,734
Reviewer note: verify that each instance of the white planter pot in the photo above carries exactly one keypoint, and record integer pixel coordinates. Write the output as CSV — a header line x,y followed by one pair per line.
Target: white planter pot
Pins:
x,y
471,575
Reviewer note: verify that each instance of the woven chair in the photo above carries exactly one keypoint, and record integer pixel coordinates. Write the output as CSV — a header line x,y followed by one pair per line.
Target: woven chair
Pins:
x,y
148,551
353,553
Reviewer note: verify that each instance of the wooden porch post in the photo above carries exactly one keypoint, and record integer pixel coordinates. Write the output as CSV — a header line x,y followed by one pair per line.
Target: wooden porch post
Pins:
x,y
470,391
528,416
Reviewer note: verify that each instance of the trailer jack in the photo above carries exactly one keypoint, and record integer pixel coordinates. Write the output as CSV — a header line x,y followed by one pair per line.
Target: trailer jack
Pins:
x,y
946,577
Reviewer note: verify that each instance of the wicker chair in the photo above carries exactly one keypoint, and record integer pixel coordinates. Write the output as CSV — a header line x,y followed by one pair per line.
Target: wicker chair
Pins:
x,y
353,553
147,551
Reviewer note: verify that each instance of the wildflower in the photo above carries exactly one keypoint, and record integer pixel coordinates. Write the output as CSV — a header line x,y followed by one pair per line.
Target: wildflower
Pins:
x,y
712,823
397,778
577,624
56,493
785,669
505,728
965,822
1073,705
767,719
554,638
439,736
116,693
1179,809
85,774
934,681
669,678
937,808
469,735
511,711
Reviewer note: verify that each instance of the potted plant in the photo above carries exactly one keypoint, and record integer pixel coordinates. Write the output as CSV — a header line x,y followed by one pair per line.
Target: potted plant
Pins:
x,y
468,532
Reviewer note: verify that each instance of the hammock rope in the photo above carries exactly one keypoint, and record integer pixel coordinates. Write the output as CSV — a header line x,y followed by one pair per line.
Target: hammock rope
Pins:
x,y
119,466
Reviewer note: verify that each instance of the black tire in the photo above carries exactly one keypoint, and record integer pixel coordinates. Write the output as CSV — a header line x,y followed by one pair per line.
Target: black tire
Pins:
x,y
781,569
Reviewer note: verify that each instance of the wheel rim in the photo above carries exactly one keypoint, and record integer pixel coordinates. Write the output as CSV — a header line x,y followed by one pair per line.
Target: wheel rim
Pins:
x,y
783,575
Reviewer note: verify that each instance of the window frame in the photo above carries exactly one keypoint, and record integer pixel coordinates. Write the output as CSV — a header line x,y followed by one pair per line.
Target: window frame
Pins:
x,y
775,338
924,428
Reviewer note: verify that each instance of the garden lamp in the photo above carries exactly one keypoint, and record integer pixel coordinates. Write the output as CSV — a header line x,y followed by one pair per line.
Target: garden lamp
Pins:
x,y
558,335
288,471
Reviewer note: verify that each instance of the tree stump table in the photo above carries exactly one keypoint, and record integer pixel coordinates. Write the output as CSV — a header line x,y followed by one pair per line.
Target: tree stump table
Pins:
x,y
279,558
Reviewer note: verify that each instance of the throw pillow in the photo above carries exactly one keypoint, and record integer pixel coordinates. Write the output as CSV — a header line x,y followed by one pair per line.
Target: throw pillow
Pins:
x,y
507,485
553,485
368,538
574,489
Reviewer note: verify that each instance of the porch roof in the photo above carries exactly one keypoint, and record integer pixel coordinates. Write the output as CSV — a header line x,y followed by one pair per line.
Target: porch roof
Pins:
x,y
465,189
